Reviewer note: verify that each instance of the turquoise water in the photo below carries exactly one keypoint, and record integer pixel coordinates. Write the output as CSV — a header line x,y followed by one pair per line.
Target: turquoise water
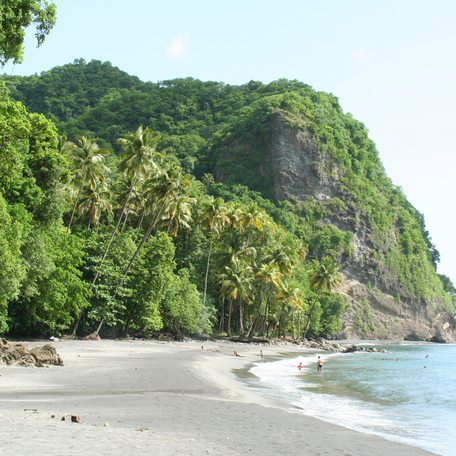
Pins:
x,y
407,394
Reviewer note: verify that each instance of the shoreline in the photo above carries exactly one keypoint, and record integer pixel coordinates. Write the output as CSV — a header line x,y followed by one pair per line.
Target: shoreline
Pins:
x,y
171,397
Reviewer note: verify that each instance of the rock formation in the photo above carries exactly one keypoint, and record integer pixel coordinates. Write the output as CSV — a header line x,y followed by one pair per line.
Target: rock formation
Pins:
x,y
15,354
294,166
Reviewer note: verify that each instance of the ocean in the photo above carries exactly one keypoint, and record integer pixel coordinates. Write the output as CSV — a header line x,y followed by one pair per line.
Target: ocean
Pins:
x,y
406,393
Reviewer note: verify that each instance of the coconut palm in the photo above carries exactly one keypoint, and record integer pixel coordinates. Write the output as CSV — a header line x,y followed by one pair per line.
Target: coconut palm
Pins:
x,y
250,219
87,162
214,216
130,189
282,259
163,188
178,214
324,277
236,284
94,202
137,160
268,278
291,297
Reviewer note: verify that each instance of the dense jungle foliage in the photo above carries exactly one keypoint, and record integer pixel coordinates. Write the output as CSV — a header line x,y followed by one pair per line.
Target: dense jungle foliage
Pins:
x,y
111,218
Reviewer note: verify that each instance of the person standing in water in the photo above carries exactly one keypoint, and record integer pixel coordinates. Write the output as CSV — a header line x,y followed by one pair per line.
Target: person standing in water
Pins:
x,y
319,365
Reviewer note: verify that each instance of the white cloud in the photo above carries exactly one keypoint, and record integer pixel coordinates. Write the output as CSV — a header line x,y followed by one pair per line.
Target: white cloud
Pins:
x,y
178,46
362,55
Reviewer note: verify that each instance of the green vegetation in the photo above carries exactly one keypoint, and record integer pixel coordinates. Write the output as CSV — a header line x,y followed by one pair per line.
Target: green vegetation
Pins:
x,y
365,322
15,17
109,225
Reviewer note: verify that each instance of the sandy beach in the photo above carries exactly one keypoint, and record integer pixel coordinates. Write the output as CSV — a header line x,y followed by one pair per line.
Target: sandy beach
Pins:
x,y
162,399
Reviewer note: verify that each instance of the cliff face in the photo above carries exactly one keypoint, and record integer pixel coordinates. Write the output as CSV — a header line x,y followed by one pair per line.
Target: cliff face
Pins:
x,y
295,167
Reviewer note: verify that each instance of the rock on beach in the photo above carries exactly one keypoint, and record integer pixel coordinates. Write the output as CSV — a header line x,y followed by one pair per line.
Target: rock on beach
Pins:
x,y
15,354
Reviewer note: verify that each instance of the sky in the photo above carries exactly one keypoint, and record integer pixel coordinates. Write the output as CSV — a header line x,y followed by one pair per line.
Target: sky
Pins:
x,y
391,63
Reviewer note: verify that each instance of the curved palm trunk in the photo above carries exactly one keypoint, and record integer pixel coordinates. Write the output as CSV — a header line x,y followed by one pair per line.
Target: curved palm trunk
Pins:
x,y
143,241
124,222
74,209
113,235
105,254
145,238
140,224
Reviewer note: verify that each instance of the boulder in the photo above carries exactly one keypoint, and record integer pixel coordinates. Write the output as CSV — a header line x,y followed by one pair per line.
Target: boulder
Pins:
x,y
19,355
47,355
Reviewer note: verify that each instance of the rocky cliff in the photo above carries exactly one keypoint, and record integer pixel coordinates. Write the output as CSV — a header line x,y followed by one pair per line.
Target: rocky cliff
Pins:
x,y
390,282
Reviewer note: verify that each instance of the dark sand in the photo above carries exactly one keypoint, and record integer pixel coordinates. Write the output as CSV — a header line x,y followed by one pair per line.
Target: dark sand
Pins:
x,y
154,398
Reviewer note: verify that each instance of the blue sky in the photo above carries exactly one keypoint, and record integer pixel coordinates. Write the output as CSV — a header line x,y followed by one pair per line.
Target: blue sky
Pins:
x,y
391,63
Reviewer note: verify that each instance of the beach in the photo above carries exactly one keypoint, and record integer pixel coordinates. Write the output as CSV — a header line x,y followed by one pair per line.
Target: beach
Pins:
x,y
164,398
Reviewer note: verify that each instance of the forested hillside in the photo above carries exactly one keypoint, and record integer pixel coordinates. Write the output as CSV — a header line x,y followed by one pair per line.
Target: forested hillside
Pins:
x,y
199,207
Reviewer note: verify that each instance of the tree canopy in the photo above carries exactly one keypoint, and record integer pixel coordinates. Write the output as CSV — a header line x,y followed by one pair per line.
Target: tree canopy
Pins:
x,y
15,17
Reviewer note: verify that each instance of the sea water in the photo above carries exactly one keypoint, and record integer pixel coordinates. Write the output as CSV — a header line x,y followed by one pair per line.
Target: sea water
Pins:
x,y
405,393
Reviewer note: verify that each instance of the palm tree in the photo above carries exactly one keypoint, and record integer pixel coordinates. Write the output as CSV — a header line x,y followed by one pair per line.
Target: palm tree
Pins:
x,y
290,296
250,219
269,278
87,161
281,257
95,202
236,284
163,189
130,189
324,277
178,214
138,158
213,215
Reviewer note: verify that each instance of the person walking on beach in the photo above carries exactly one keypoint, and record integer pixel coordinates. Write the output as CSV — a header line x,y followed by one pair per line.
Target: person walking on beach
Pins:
x,y
319,365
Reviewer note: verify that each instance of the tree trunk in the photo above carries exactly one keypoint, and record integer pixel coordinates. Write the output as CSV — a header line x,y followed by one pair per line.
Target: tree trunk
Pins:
x,y
241,317
128,319
299,324
230,311
74,209
113,234
265,318
144,239
139,225
251,330
99,327
124,222
222,314
309,317
78,322
293,324
207,270
105,253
